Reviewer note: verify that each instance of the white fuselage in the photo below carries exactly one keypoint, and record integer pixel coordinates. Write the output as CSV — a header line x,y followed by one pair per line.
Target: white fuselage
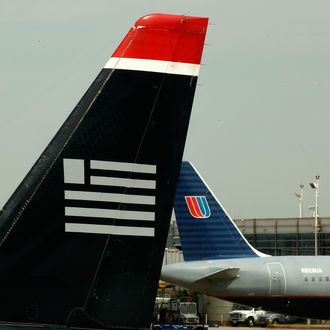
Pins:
x,y
281,284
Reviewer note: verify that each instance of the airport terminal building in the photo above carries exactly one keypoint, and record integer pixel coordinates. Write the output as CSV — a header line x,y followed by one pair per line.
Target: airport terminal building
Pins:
x,y
274,236
278,236
287,236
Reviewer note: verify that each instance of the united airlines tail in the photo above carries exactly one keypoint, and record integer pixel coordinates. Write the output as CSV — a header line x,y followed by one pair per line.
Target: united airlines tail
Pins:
x,y
82,237
206,230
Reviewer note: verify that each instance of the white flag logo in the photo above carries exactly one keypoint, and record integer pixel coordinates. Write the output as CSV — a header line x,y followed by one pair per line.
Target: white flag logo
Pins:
x,y
98,184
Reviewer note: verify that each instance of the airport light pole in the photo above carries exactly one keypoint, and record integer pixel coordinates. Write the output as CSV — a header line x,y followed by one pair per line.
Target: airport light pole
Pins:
x,y
301,199
315,186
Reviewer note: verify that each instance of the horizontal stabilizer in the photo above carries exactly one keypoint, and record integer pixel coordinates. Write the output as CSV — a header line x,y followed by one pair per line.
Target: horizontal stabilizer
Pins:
x,y
221,275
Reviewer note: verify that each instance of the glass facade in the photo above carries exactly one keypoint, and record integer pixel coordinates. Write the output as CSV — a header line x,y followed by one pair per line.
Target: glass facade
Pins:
x,y
289,236
278,236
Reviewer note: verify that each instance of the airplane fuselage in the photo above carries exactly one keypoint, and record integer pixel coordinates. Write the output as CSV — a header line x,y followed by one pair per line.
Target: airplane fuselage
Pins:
x,y
296,285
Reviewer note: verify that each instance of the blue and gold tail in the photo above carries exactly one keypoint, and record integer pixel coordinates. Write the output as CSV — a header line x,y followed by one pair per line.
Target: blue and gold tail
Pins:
x,y
206,230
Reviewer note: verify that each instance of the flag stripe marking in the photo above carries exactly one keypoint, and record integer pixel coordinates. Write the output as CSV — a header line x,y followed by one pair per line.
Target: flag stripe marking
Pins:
x,y
109,197
109,229
109,213
123,182
120,166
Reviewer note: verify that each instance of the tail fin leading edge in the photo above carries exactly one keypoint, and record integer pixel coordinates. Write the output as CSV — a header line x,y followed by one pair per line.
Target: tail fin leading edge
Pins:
x,y
83,236
206,230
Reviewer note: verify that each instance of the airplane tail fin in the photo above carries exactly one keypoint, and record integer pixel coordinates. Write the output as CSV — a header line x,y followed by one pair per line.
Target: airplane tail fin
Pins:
x,y
83,236
206,230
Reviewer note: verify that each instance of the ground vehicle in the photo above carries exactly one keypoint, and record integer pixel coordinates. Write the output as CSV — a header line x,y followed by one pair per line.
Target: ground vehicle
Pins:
x,y
275,318
179,326
175,312
269,318
245,315
188,313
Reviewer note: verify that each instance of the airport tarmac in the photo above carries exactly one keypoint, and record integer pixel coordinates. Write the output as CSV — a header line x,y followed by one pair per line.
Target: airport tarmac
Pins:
x,y
232,328
279,327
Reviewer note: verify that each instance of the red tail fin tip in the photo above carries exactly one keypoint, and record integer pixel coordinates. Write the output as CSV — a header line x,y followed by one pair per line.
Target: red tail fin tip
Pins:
x,y
162,43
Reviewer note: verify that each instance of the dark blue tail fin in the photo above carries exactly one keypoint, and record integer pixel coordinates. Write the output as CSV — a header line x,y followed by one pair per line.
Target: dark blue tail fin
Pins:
x,y
82,238
206,230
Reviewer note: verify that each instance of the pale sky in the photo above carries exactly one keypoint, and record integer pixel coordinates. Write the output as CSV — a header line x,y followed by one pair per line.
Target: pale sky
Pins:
x,y
261,115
